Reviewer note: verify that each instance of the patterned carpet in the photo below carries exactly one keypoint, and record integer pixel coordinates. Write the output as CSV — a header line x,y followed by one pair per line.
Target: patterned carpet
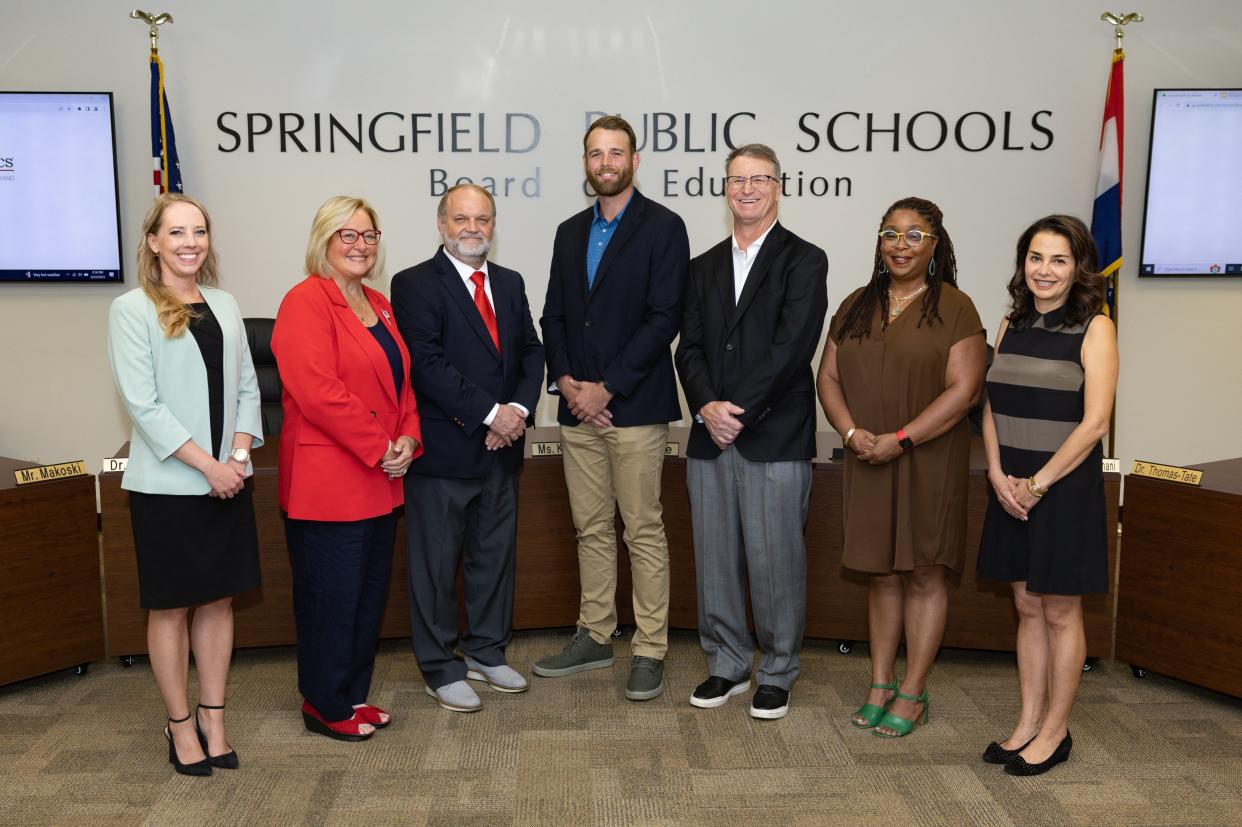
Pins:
x,y
573,751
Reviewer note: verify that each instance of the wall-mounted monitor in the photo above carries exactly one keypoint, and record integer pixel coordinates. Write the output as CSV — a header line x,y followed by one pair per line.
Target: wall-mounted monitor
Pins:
x,y
60,217
1194,184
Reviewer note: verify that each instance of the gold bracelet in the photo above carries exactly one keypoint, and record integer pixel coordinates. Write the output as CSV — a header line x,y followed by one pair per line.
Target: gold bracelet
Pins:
x,y
849,434
1034,487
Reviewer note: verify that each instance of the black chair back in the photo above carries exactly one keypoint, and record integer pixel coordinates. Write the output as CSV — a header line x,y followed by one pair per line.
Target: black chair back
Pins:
x,y
259,335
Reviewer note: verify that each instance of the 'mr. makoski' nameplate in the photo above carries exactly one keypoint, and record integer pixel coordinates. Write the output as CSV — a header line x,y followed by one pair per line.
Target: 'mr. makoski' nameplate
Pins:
x,y
1169,473
43,473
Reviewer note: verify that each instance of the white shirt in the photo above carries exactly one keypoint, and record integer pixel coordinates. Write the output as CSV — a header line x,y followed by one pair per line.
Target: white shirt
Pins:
x,y
744,259
466,271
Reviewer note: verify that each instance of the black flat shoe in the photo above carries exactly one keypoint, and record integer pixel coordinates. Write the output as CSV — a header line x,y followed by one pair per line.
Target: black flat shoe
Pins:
x,y
198,768
227,761
996,754
1020,766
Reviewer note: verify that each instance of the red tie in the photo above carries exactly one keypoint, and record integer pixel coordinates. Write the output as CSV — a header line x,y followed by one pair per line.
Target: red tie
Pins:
x,y
485,307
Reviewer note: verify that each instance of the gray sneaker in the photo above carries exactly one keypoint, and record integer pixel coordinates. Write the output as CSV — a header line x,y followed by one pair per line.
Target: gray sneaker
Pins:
x,y
646,679
580,654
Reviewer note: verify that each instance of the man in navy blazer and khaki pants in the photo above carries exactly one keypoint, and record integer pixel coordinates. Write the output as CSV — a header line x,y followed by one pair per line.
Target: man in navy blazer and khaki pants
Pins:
x,y
613,308
476,367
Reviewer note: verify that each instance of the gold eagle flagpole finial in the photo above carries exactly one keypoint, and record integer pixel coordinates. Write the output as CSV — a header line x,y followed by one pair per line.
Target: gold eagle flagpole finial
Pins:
x,y
153,21
1119,22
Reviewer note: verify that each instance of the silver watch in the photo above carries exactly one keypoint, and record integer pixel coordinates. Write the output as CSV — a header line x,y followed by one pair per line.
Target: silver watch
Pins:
x,y
242,455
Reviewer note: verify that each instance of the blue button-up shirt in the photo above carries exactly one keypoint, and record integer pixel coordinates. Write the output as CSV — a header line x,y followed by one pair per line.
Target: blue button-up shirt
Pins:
x,y
601,233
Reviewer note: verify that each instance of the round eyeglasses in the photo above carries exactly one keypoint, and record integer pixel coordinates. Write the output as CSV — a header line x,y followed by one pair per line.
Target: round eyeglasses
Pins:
x,y
913,237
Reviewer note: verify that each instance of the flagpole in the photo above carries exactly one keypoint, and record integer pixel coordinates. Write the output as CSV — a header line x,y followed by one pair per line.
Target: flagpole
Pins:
x,y
1113,267
166,167
154,21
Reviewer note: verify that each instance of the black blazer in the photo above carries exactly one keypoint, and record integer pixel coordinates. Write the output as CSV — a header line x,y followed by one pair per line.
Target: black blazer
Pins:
x,y
620,331
455,371
758,354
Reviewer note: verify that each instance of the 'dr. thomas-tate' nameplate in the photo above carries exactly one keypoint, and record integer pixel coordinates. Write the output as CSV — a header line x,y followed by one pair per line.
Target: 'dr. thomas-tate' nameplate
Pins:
x,y
1169,473
43,473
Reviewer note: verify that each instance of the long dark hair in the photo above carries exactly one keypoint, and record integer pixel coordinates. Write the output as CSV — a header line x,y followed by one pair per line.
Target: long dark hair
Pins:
x,y
1086,295
857,321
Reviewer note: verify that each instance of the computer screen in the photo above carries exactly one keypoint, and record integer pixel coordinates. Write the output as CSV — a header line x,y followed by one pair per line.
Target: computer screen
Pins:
x,y
1194,184
59,210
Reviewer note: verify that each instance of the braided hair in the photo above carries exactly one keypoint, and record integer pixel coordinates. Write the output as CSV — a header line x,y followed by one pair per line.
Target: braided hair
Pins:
x,y
857,321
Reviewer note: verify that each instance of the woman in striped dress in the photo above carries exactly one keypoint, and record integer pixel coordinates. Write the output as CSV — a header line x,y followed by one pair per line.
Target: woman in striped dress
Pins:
x,y
1050,393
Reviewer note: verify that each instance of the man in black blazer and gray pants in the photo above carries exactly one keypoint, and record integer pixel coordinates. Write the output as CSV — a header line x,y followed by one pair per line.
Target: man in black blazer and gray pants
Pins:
x,y
612,310
754,311
476,368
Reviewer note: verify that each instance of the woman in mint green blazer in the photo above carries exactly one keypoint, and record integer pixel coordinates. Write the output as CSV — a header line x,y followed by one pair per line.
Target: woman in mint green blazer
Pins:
x,y
182,365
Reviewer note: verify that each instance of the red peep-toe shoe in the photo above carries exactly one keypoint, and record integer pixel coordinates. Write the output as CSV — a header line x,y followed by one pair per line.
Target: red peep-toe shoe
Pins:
x,y
373,715
347,730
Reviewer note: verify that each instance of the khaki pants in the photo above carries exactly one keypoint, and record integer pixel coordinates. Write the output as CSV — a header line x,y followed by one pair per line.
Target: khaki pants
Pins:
x,y
607,468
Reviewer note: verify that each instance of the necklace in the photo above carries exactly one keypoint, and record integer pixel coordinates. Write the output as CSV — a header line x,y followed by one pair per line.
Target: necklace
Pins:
x,y
899,303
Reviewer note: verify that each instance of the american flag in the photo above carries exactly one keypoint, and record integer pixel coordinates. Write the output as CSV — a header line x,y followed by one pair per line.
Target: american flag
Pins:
x,y
167,175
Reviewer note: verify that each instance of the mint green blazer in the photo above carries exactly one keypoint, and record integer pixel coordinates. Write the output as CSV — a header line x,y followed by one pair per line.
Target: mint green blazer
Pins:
x,y
163,383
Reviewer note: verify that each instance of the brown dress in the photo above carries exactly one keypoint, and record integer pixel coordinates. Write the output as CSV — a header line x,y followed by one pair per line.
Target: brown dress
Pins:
x,y
910,511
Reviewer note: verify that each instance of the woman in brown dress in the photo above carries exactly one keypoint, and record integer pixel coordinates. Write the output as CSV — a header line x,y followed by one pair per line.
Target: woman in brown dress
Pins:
x,y
902,366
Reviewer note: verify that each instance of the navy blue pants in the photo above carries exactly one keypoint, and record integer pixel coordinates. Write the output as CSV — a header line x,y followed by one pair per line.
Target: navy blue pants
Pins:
x,y
340,585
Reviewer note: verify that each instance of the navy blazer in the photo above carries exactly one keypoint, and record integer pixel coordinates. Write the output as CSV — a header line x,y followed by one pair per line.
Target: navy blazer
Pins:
x,y
758,353
455,371
620,331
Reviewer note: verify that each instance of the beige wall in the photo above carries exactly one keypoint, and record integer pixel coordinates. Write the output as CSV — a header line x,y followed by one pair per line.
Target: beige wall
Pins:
x,y
1181,383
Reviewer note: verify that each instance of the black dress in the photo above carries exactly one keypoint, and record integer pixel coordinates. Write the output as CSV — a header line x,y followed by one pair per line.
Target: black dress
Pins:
x,y
194,549
1035,387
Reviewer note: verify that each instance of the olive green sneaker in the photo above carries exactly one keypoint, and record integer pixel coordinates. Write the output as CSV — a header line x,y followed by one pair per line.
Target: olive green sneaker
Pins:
x,y
646,679
580,654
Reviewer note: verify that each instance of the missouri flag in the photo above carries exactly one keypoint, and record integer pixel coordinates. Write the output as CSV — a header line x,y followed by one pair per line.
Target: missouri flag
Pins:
x,y
1106,214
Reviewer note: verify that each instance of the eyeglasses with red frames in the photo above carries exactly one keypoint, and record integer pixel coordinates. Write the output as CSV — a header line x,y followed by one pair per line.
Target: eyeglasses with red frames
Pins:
x,y
369,237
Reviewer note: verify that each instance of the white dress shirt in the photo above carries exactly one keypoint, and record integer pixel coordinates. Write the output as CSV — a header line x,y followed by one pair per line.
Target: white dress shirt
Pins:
x,y
744,259
466,271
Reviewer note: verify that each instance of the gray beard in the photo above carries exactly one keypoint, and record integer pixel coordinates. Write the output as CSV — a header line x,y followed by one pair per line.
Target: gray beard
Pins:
x,y
480,249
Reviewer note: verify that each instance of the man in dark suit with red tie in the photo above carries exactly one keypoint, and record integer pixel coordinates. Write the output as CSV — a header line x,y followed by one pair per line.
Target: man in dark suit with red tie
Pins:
x,y
477,370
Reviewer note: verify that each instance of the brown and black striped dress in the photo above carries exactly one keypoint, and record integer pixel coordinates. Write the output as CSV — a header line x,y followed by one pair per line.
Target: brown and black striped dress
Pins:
x,y
1036,389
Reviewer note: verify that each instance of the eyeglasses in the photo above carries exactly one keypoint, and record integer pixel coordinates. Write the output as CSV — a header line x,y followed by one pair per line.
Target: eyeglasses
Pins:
x,y
369,237
736,181
913,237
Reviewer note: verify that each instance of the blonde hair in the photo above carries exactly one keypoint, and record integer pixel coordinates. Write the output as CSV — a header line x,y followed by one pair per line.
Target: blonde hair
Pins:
x,y
174,317
330,218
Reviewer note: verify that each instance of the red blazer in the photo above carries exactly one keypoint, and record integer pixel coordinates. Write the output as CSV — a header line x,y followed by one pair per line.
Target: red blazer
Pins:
x,y
340,406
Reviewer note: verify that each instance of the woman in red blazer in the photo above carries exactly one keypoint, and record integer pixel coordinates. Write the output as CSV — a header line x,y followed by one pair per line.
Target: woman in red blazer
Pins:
x,y
350,431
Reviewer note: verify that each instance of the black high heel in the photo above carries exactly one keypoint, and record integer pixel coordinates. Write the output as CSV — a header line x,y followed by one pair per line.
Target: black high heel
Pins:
x,y
227,761
996,754
198,768
1020,766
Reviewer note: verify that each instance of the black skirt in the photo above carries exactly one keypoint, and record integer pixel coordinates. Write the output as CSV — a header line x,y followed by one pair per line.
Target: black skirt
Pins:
x,y
193,549
1062,548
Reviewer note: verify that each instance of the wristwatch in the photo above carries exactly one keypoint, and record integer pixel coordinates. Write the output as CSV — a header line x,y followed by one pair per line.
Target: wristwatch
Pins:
x,y
241,455
907,444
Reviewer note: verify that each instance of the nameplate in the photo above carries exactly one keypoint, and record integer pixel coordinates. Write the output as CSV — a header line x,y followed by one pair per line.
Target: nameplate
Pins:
x,y
1112,465
553,449
1169,473
44,473
545,449
113,464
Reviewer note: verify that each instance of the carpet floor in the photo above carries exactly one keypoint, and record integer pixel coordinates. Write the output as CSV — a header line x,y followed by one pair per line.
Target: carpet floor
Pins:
x,y
573,751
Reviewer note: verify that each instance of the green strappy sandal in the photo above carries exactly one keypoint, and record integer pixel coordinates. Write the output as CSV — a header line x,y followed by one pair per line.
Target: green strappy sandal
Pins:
x,y
872,713
903,726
